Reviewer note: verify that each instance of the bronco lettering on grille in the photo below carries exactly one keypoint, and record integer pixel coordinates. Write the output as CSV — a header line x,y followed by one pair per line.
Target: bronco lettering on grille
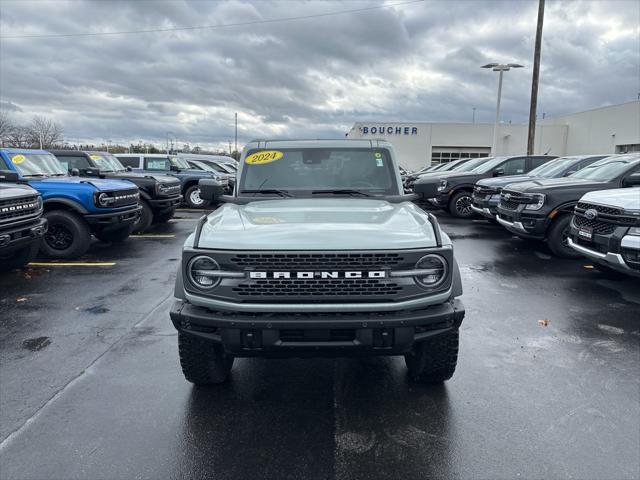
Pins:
x,y
325,275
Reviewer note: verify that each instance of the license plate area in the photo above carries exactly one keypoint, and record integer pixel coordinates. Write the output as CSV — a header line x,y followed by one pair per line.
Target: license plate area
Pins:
x,y
585,233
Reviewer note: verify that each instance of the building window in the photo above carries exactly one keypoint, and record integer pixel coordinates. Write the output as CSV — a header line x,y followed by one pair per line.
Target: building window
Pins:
x,y
449,154
632,147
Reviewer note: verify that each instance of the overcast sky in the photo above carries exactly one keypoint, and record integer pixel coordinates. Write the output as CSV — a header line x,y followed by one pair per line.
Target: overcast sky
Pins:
x,y
309,77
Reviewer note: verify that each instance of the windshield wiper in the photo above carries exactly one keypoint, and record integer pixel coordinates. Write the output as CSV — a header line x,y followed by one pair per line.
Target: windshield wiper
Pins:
x,y
353,193
36,175
282,193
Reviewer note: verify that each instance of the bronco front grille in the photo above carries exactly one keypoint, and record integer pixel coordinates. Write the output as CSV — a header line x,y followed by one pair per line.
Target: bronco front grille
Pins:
x,y
18,208
318,288
125,197
321,261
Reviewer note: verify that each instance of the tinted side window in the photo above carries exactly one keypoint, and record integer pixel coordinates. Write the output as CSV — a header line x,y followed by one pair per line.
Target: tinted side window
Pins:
x,y
515,166
70,162
535,162
133,162
154,163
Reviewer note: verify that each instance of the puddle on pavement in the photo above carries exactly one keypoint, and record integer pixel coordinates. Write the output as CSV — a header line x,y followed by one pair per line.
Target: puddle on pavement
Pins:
x,y
36,344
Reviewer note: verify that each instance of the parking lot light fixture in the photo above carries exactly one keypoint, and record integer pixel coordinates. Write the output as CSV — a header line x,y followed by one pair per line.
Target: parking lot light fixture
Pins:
x,y
499,67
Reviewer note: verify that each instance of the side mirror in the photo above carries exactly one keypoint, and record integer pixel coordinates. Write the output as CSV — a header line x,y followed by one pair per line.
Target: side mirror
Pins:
x,y
499,172
211,190
129,169
173,168
570,172
91,172
426,187
9,176
75,172
632,180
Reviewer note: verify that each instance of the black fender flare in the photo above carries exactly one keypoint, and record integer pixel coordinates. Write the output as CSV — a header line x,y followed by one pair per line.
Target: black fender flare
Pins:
x,y
72,205
456,281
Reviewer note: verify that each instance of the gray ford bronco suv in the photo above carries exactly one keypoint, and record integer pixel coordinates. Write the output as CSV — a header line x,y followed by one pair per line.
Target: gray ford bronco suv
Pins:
x,y
317,253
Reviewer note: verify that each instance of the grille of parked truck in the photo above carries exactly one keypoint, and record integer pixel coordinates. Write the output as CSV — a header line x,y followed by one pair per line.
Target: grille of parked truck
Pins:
x,y
542,209
21,224
75,208
606,229
317,253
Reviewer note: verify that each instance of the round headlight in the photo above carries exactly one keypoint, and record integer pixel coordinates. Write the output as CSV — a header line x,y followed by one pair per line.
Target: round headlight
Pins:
x,y
104,199
203,272
432,270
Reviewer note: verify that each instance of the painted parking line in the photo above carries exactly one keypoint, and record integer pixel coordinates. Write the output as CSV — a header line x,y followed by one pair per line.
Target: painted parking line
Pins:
x,y
176,220
193,210
71,264
152,236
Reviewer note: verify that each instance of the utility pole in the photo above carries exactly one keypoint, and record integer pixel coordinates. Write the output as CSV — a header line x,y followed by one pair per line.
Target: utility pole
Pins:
x,y
236,136
534,80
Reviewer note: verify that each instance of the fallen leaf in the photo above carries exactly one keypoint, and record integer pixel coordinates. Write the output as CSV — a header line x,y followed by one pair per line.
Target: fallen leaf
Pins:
x,y
21,299
544,322
588,266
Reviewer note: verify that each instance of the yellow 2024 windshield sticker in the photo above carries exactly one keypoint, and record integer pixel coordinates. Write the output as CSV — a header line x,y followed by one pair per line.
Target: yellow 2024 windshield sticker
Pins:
x,y
18,159
266,156
96,158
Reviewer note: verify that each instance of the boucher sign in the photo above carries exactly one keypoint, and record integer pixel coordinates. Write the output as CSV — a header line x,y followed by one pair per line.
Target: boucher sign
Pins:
x,y
389,130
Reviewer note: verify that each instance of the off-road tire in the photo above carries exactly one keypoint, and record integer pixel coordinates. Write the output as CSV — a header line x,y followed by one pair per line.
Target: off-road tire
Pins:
x,y
74,226
164,217
203,362
145,219
19,258
189,201
460,205
433,360
114,236
557,238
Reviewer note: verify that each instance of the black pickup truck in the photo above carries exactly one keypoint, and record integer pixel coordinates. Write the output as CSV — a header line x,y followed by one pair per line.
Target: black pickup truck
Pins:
x,y
456,188
21,224
159,194
542,209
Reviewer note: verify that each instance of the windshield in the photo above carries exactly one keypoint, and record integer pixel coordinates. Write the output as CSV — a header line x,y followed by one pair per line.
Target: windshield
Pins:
x,y
226,167
554,168
181,163
106,162
202,166
304,170
606,170
488,165
37,164
472,164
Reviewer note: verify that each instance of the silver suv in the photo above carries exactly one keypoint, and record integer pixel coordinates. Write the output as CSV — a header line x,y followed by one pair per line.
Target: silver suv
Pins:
x,y
318,253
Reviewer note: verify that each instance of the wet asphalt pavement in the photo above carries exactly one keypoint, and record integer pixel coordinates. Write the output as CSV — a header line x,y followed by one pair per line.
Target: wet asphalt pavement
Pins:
x,y
91,387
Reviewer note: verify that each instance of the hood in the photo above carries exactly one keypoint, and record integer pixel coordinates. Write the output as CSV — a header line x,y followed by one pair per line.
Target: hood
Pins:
x,y
564,183
198,173
496,182
317,224
625,198
135,175
100,184
462,176
15,190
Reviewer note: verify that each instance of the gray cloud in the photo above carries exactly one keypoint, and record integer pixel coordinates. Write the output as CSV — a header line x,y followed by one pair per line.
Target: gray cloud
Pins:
x,y
305,78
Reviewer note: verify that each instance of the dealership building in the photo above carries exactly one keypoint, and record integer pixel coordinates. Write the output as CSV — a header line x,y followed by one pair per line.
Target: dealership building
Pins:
x,y
612,129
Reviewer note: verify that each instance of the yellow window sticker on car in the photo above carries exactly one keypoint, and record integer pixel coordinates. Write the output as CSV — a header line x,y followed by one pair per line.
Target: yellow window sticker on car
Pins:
x,y
266,156
96,158
378,155
18,159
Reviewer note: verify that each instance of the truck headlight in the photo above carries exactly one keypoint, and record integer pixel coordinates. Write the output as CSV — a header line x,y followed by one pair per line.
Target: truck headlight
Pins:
x,y
443,186
204,272
104,199
538,198
431,270
163,189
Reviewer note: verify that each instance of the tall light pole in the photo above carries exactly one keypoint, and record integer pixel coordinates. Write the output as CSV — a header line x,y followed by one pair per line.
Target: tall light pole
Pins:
x,y
499,67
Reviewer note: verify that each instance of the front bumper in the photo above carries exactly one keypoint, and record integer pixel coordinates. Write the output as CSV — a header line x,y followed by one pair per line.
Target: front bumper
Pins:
x,y
317,334
17,237
618,251
158,205
529,225
112,220
486,207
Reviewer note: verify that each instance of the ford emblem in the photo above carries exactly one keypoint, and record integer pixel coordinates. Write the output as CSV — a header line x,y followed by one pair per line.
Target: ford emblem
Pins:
x,y
591,214
507,197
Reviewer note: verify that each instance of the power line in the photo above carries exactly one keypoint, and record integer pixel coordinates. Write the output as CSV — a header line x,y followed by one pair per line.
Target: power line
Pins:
x,y
212,27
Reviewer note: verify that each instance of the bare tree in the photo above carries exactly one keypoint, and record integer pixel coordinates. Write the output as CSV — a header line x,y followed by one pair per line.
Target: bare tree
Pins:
x,y
44,132
18,137
5,128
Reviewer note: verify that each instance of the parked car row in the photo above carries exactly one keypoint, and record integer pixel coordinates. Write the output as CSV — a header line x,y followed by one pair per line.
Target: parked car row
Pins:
x,y
53,202
586,205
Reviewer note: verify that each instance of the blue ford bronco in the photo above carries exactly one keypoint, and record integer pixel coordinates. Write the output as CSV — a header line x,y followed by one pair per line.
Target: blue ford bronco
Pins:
x,y
74,207
318,253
